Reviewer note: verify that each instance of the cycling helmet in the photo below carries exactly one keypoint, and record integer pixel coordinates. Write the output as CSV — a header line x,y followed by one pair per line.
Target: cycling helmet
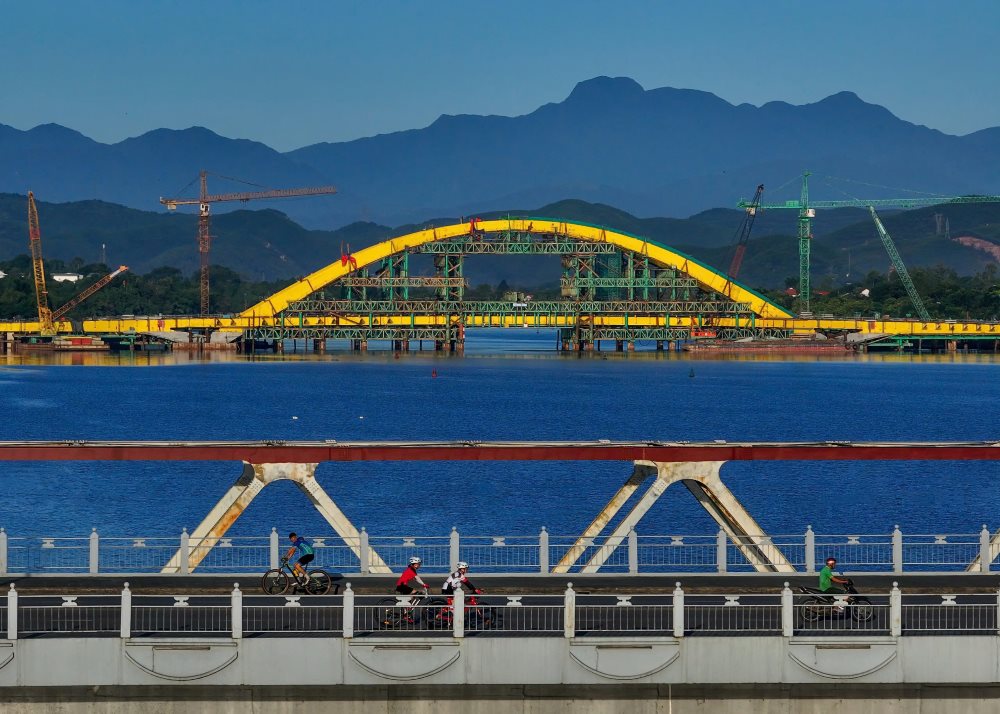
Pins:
x,y
462,565
415,561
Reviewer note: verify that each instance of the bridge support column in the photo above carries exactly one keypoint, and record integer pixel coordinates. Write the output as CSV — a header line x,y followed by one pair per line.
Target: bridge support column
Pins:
x,y
319,346
619,345
704,482
659,345
250,483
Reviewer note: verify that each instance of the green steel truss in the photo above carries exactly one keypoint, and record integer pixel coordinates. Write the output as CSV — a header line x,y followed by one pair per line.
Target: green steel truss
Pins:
x,y
314,307
597,279
515,244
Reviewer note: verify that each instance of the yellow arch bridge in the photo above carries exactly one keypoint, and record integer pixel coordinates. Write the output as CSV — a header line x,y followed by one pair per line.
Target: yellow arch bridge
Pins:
x,y
613,286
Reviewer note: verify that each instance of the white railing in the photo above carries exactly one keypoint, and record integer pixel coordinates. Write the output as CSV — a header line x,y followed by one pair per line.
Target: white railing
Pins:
x,y
735,614
675,614
542,553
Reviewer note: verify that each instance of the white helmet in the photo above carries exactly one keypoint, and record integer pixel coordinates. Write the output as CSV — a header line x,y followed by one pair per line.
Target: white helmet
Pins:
x,y
415,560
462,565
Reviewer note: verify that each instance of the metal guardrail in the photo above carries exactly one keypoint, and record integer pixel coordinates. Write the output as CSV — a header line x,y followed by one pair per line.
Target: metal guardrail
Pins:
x,y
571,615
543,553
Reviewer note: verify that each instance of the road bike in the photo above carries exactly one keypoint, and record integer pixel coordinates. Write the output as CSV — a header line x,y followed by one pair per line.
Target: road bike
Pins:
x,y
819,605
277,582
405,612
478,614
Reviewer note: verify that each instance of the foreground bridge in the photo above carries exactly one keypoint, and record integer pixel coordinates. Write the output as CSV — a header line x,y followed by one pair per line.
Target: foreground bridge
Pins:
x,y
655,467
674,651
614,286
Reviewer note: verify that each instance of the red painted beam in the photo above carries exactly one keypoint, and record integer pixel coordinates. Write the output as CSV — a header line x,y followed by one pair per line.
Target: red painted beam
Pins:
x,y
310,452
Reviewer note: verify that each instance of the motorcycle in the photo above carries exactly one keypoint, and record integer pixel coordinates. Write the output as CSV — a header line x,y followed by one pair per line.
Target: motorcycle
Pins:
x,y
849,604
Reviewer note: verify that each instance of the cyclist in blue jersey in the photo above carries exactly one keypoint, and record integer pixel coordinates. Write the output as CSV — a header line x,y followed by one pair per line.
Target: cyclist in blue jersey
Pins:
x,y
305,555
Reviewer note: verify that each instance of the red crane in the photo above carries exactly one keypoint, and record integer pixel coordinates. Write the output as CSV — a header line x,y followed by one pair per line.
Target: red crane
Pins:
x,y
743,234
204,201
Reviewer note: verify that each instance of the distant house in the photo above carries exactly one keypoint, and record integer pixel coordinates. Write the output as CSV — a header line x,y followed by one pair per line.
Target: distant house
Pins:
x,y
2,275
66,277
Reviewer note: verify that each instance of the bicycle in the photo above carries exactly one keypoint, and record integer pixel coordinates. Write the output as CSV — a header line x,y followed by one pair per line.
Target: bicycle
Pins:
x,y
478,615
821,605
396,614
276,581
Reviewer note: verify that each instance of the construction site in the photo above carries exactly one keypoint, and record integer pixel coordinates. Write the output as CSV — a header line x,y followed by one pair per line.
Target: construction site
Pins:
x,y
616,291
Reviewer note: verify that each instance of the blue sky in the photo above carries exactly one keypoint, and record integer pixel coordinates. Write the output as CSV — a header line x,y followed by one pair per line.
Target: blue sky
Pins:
x,y
295,73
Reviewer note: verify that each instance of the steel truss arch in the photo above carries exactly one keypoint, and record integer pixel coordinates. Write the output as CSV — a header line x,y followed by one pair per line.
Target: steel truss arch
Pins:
x,y
660,255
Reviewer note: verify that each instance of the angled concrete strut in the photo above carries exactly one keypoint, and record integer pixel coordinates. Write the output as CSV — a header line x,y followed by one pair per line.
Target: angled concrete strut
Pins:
x,y
251,482
704,482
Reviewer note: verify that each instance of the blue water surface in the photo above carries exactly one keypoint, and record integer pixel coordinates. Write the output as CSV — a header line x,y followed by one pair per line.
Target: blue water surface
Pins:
x,y
526,393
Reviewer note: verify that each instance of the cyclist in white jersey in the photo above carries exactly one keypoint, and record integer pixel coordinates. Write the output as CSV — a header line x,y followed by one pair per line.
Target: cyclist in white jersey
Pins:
x,y
460,578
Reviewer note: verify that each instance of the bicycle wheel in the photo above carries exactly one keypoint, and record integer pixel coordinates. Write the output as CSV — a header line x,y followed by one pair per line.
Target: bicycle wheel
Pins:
x,y
812,609
390,613
319,583
274,582
434,613
862,609
492,618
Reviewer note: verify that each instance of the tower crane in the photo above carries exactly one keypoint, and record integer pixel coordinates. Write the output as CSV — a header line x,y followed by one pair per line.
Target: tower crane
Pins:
x,y
743,235
47,317
204,201
807,212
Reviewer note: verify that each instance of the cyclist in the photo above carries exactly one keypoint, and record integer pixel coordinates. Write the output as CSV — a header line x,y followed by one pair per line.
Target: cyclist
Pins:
x,y
460,577
827,578
406,585
306,555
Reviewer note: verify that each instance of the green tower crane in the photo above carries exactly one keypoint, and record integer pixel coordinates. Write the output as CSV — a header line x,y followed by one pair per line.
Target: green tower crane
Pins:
x,y
807,212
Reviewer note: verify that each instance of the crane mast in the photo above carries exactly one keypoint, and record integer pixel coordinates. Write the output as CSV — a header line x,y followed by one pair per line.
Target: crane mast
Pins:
x,y
45,321
87,292
897,263
204,201
743,235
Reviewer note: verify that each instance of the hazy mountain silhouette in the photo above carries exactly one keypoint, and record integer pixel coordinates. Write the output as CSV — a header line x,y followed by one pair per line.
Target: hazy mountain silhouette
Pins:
x,y
268,245
666,152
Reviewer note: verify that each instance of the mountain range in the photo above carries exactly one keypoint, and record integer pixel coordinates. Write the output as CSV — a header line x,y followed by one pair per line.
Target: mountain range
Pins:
x,y
658,152
268,245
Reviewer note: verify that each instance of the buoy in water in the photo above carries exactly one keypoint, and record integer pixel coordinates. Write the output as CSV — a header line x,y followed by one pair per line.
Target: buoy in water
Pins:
x,y
434,373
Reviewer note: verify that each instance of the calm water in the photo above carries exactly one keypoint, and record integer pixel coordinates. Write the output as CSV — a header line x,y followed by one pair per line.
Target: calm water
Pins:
x,y
509,386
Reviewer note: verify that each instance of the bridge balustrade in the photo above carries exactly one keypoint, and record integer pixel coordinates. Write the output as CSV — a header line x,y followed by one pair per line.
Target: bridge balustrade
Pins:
x,y
571,615
542,553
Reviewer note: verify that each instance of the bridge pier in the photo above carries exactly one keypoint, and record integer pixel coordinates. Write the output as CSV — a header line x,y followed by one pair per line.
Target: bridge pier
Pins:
x,y
235,501
703,480
319,346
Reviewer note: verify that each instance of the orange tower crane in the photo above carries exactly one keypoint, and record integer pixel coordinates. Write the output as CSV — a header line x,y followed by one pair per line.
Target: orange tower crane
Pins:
x,y
47,317
204,201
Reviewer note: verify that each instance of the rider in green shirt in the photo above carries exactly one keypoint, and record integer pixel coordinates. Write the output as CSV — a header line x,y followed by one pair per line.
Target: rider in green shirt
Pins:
x,y
827,578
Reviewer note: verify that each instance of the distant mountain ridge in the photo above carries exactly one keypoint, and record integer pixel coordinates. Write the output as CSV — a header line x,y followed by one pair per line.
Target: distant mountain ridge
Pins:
x,y
268,245
665,151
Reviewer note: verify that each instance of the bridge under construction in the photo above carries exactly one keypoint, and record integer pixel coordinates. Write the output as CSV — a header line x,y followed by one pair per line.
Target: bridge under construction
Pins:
x,y
412,289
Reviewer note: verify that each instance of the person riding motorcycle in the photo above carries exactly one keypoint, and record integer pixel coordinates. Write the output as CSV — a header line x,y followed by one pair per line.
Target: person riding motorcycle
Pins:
x,y
827,578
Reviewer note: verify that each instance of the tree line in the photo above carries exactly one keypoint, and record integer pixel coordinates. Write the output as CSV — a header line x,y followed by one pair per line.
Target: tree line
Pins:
x,y
168,291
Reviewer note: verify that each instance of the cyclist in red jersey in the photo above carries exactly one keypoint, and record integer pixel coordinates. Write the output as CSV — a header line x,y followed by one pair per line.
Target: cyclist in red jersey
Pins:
x,y
406,585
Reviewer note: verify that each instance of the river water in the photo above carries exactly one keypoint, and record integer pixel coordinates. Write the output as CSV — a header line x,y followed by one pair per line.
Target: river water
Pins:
x,y
509,386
